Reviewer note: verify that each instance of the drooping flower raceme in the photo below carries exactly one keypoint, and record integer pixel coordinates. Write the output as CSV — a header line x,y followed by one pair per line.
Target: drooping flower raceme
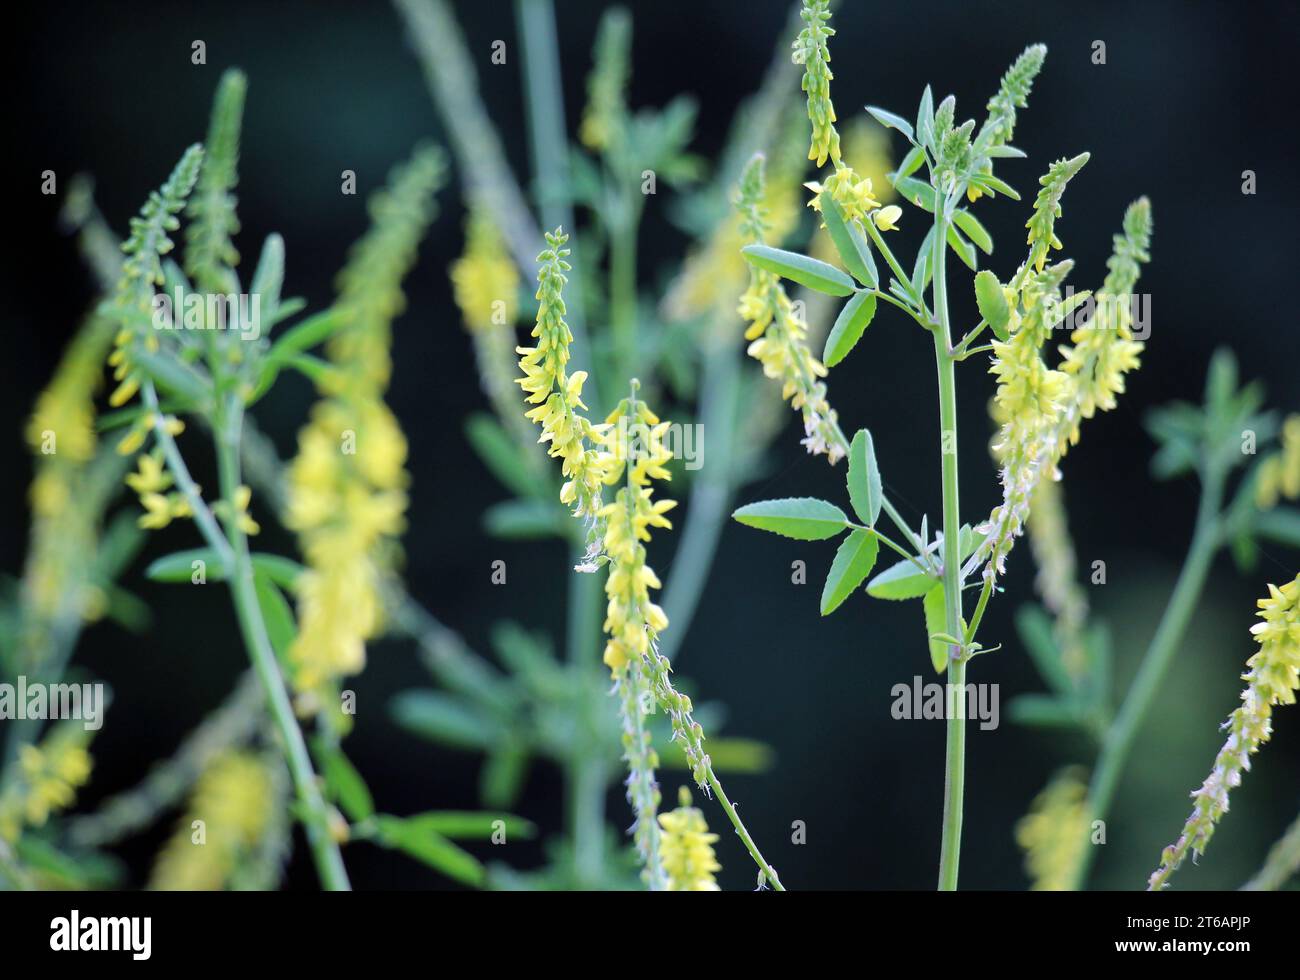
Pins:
x,y
778,335
1273,678
1043,408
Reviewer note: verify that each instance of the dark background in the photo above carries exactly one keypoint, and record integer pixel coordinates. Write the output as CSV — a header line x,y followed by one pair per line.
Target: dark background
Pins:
x,y
1192,94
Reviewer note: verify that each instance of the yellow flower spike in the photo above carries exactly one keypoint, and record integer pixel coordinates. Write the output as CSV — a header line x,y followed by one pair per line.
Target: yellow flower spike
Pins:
x,y
484,281
1273,679
1279,474
810,50
347,484
47,780
235,797
1054,832
886,218
687,848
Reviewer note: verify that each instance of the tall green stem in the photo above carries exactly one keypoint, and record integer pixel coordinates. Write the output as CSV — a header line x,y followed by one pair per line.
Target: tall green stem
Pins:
x,y
233,552
954,786
325,850
1159,655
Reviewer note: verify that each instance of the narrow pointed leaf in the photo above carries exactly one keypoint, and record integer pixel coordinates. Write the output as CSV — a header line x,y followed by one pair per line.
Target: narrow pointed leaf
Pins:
x,y
891,121
964,249
853,563
865,488
849,327
975,231
810,272
902,580
801,518
854,251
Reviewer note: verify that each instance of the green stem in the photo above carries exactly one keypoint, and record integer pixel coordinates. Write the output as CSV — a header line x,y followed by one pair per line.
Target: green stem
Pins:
x,y
1157,659
767,870
233,551
955,762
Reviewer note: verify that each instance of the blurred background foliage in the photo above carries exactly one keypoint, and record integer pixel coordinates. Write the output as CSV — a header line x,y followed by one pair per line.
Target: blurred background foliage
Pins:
x,y
1185,102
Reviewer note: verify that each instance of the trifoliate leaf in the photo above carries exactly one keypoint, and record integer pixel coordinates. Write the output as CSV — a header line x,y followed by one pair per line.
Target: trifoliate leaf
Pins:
x,y
853,563
801,518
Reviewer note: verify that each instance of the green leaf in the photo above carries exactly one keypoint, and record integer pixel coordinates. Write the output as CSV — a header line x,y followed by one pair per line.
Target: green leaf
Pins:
x,y
964,249
522,520
501,454
1280,524
936,622
992,303
1039,637
1045,711
502,777
975,231
179,567
281,627
901,581
306,335
810,272
434,850
917,191
925,120
442,718
921,272
892,121
849,327
801,518
866,493
175,377
994,185
268,277
343,784
849,242
284,572
853,563
471,825
912,162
